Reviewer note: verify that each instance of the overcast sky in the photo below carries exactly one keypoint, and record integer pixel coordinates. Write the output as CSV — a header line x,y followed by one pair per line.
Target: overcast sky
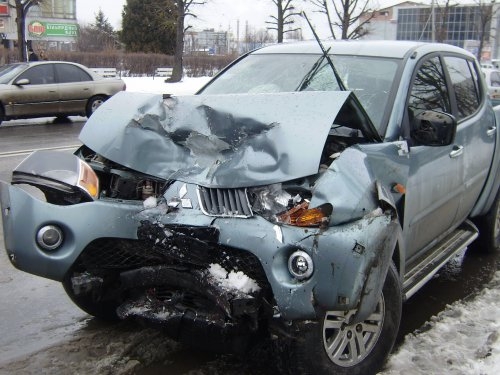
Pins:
x,y
217,14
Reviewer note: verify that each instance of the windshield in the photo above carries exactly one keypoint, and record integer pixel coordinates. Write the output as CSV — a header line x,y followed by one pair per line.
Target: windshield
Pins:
x,y
370,78
7,72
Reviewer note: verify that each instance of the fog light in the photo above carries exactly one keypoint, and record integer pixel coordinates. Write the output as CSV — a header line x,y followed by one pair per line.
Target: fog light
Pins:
x,y
49,237
300,265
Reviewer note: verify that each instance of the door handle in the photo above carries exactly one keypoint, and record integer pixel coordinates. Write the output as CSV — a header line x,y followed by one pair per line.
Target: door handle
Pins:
x,y
457,151
491,131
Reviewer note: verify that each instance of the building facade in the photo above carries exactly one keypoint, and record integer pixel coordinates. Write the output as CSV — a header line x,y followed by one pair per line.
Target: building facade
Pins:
x,y
459,25
51,25
206,42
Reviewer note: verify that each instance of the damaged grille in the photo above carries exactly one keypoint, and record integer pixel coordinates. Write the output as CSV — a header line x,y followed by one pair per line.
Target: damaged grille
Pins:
x,y
112,253
165,282
224,202
121,255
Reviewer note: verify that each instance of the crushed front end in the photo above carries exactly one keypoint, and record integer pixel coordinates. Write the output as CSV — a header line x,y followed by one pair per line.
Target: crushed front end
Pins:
x,y
204,218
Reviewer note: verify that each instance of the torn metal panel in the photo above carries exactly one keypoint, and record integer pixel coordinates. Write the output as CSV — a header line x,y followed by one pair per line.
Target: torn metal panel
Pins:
x,y
353,175
220,140
344,273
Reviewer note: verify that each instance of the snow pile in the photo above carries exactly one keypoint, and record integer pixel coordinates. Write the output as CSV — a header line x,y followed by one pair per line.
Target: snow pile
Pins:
x,y
233,280
463,339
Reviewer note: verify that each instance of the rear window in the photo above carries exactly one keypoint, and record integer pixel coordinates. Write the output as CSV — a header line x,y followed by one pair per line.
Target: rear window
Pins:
x,y
70,73
465,90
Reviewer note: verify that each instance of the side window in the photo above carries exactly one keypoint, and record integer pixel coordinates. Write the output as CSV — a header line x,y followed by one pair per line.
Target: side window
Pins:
x,y
70,73
39,74
429,89
463,85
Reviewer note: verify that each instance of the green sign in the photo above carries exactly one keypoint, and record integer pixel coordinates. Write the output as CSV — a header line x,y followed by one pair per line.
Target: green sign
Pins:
x,y
50,29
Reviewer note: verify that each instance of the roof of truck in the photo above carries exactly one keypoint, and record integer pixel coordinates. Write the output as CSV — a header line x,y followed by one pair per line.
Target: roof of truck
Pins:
x,y
382,48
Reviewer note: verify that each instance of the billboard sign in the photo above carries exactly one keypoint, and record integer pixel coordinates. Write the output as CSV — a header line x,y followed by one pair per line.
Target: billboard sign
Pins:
x,y
41,29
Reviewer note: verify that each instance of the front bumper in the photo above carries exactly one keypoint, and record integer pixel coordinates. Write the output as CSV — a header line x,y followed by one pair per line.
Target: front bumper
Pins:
x,y
23,215
350,260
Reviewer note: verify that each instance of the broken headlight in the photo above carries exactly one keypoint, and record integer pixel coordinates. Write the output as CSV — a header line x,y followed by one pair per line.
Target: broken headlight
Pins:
x,y
64,179
288,206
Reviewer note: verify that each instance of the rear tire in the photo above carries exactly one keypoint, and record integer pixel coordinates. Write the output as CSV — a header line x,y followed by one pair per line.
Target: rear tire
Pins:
x,y
489,229
332,347
94,103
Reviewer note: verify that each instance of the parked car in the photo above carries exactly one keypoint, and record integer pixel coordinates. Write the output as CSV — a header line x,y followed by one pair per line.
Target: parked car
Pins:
x,y
52,88
492,78
299,198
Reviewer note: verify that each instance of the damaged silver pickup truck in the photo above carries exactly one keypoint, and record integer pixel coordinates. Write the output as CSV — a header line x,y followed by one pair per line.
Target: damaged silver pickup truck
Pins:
x,y
302,195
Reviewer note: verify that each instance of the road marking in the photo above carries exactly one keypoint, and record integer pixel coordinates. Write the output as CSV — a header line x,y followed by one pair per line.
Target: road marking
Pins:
x,y
27,152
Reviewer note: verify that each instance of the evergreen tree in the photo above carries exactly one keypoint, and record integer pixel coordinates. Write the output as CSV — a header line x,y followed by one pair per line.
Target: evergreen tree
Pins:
x,y
102,23
149,26
98,36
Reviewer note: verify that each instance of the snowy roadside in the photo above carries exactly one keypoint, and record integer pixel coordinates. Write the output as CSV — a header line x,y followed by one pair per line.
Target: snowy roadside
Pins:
x,y
157,85
463,339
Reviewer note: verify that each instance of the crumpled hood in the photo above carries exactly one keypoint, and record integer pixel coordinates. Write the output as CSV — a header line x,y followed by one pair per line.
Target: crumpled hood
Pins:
x,y
216,140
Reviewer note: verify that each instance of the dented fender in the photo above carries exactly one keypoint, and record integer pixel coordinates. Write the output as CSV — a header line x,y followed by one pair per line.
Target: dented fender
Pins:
x,y
353,277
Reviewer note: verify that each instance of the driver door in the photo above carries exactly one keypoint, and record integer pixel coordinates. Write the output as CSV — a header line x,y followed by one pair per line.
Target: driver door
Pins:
x,y
435,182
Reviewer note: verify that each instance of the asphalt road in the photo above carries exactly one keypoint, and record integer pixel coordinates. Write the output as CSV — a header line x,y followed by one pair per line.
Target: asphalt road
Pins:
x,y
43,332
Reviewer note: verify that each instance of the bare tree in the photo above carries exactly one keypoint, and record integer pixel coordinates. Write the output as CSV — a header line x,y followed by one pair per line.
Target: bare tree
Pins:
x,y
183,11
22,8
485,14
351,16
285,13
441,19
256,39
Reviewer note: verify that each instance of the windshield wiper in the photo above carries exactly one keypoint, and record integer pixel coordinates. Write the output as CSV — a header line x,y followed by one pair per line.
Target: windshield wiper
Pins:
x,y
326,55
355,106
311,73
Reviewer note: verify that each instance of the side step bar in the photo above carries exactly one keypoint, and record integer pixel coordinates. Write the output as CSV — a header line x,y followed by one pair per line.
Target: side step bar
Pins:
x,y
439,254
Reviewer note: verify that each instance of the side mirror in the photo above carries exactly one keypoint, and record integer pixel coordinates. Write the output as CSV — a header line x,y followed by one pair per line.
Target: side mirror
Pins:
x,y
433,128
22,82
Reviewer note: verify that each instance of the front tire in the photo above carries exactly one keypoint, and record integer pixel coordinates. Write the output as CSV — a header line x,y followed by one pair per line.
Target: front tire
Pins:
x,y
334,347
92,303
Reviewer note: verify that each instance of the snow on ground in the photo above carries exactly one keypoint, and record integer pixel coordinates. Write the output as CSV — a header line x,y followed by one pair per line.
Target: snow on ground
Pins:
x,y
462,339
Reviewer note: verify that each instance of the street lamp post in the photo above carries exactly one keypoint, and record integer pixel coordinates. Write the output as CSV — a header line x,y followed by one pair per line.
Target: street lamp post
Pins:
x,y
22,8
